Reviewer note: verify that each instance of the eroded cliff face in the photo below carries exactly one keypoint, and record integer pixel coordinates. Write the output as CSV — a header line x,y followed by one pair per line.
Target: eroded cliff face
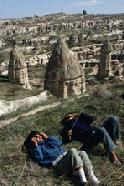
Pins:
x,y
17,69
64,76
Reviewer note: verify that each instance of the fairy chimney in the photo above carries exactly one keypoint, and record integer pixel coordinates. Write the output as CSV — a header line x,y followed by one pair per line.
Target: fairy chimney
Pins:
x,y
80,39
17,69
104,69
73,40
122,55
64,76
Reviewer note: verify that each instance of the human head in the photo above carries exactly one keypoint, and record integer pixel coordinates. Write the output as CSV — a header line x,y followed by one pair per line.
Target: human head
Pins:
x,y
27,143
69,117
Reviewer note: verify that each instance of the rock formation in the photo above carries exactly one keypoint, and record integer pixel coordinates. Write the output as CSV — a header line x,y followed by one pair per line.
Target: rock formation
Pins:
x,y
104,69
80,39
64,76
73,40
122,55
11,106
116,68
17,69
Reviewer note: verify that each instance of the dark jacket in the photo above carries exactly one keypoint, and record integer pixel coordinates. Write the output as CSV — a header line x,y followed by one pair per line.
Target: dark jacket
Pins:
x,y
46,151
82,131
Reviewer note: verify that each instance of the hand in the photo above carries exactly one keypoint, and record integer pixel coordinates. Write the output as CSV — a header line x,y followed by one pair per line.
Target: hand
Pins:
x,y
69,134
44,136
76,116
34,141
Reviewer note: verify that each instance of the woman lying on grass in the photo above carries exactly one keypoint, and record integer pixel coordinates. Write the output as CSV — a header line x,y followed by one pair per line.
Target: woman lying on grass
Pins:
x,y
78,127
47,151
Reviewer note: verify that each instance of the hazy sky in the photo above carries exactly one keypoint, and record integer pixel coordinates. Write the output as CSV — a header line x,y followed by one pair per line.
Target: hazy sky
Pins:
x,y
22,8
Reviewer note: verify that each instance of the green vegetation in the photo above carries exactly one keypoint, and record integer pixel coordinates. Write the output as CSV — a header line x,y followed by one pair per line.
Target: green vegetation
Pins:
x,y
13,92
16,170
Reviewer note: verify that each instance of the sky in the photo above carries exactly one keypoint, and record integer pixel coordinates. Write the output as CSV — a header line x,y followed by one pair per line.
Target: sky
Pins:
x,y
23,8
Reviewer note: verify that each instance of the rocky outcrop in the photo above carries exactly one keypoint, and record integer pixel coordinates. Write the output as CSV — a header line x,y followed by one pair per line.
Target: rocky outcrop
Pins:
x,y
11,106
122,55
64,76
73,40
80,39
17,69
104,69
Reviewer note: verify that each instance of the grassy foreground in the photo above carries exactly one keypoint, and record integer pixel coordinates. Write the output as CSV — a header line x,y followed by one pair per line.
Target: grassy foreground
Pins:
x,y
15,170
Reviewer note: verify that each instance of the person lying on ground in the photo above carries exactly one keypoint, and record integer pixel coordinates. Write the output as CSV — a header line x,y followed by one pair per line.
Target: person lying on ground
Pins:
x,y
78,127
48,152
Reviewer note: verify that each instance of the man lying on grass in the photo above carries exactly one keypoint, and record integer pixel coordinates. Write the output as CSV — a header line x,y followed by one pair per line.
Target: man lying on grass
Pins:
x,y
47,151
78,127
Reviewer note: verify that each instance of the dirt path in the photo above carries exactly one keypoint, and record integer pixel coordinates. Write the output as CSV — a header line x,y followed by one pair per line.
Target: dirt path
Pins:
x,y
4,123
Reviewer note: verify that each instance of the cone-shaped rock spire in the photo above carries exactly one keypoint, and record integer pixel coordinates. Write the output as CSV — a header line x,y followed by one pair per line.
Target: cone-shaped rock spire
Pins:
x,y
105,61
17,69
64,76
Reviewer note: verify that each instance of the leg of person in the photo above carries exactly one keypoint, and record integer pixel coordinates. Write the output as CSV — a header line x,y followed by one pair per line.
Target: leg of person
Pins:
x,y
109,145
112,127
106,140
91,139
88,168
72,164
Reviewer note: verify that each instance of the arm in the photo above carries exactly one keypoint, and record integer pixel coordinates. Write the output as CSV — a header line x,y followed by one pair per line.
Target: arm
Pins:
x,y
36,153
86,118
69,135
37,156
44,136
54,140
66,135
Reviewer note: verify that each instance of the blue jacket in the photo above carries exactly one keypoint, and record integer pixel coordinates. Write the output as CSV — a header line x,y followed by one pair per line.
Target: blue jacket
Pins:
x,y
47,151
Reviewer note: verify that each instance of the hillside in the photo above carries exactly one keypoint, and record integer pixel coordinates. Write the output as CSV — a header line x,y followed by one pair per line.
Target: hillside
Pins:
x,y
16,170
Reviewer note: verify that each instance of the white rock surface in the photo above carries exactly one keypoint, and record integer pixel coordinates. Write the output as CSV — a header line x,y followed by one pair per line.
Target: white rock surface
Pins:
x,y
10,106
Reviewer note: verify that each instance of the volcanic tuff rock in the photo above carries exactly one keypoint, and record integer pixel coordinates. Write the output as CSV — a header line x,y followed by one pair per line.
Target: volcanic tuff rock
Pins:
x,y
11,106
64,76
73,40
17,69
105,61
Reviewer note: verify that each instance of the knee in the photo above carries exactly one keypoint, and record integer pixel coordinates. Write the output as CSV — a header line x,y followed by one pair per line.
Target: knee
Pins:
x,y
83,154
101,134
114,120
73,151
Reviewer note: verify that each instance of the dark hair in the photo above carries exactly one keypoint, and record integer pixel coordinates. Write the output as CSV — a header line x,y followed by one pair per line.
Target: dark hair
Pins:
x,y
27,145
83,117
66,120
